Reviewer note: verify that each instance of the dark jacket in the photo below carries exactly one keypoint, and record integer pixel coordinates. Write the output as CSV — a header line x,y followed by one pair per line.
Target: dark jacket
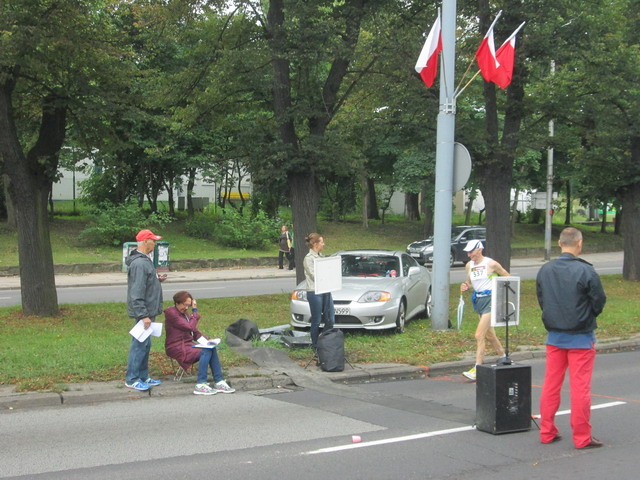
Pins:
x,y
181,333
570,295
144,292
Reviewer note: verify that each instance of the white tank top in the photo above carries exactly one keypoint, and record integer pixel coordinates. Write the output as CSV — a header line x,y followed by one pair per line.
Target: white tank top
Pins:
x,y
479,275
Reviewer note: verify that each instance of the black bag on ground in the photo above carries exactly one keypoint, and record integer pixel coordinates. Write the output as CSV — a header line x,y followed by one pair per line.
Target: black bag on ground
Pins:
x,y
331,350
244,329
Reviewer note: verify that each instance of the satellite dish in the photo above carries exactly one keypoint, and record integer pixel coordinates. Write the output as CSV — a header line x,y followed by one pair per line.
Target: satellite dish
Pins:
x,y
461,166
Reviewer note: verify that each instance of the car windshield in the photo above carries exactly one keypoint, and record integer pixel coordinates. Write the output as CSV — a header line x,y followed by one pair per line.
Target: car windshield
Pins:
x,y
370,266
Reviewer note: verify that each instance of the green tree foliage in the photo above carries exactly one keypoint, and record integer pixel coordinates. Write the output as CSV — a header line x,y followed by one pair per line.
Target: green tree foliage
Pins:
x,y
58,59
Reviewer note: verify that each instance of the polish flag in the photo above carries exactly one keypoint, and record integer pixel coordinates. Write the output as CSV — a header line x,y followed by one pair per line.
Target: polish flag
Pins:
x,y
486,55
505,56
427,64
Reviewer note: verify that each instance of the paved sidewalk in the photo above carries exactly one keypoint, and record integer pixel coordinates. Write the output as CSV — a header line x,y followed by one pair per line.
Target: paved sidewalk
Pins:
x,y
119,278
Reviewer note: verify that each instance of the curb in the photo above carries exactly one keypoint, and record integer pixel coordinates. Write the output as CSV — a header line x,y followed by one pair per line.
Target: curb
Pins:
x,y
95,393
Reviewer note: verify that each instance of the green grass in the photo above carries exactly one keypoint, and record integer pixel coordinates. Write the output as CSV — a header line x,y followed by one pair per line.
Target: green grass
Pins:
x,y
396,233
90,342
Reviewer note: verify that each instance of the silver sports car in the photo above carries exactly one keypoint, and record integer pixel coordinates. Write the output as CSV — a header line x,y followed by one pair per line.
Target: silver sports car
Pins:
x,y
380,289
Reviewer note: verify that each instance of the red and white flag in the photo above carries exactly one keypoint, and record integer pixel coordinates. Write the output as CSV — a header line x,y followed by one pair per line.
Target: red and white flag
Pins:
x,y
486,54
505,56
427,64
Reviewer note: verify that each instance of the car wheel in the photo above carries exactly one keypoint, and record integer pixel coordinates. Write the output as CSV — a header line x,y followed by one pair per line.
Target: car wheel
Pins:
x,y
427,305
452,259
401,318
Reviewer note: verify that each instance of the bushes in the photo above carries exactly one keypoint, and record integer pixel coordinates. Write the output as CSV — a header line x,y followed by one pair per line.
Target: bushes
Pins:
x,y
203,224
116,224
240,231
234,229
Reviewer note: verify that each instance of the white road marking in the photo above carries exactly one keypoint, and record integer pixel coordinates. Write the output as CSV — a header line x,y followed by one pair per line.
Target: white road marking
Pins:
x,y
436,433
593,407
385,441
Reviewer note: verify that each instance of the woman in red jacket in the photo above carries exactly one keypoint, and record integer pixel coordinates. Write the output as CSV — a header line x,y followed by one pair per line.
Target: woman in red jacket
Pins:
x,y
182,334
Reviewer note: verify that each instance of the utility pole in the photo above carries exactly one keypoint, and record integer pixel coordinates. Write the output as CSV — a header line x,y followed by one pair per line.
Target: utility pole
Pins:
x,y
445,139
549,203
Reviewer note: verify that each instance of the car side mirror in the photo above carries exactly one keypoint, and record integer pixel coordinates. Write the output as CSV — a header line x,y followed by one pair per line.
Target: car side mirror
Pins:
x,y
414,270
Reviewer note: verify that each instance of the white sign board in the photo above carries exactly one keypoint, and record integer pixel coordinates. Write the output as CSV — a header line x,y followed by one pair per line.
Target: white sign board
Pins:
x,y
328,274
505,301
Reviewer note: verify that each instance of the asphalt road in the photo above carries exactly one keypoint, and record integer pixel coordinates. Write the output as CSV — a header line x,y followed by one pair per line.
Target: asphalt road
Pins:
x,y
609,264
415,429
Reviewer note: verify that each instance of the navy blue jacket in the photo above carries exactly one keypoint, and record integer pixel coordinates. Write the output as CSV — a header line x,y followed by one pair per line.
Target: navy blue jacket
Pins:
x,y
570,295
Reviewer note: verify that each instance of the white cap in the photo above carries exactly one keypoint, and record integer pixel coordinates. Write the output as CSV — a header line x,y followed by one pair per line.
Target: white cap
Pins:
x,y
472,245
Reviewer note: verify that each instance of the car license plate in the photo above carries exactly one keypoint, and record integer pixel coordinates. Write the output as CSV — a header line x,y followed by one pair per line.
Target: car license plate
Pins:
x,y
415,255
342,310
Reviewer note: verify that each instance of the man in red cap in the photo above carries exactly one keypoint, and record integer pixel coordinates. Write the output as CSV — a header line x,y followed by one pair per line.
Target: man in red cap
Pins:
x,y
144,302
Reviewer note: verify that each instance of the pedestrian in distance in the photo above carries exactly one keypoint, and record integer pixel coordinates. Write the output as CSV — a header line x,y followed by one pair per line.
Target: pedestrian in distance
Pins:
x,y
182,336
480,272
320,305
144,302
284,243
571,297
292,249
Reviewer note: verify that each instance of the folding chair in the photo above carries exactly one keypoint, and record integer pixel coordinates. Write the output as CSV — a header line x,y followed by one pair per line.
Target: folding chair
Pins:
x,y
180,372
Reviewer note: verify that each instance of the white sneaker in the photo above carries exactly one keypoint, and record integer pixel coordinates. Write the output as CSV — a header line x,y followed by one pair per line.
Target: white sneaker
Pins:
x,y
204,389
223,387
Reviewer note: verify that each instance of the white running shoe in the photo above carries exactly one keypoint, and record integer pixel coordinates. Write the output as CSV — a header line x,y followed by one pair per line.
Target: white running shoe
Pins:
x,y
223,387
204,389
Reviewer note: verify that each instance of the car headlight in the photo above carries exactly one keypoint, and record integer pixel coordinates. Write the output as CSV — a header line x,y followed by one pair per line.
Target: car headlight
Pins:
x,y
375,296
300,295
428,249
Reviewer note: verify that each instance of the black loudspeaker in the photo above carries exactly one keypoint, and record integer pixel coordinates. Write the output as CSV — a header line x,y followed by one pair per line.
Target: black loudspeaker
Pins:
x,y
503,398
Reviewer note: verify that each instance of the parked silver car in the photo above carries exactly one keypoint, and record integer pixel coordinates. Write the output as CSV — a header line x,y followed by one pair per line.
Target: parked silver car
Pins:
x,y
381,289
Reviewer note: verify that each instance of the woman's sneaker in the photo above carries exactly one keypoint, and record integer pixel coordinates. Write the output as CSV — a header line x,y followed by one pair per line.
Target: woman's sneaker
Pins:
x,y
152,382
223,387
204,389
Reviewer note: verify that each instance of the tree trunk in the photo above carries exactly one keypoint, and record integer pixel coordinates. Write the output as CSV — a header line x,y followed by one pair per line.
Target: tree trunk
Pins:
x,y
190,184
514,212
412,206
496,189
8,205
365,199
304,192
30,179
567,215
631,232
603,222
495,170
372,204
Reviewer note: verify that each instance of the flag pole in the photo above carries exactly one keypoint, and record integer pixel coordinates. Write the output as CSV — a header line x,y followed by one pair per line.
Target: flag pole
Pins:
x,y
467,84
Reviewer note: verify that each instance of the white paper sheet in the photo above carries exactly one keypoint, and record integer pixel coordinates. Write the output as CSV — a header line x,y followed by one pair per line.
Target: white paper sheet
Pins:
x,y
141,334
328,274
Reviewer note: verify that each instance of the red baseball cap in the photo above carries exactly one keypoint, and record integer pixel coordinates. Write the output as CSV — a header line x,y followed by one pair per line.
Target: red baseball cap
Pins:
x,y
146,235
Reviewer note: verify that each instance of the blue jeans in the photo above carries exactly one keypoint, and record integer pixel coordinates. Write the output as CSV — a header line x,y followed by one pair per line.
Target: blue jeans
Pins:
x,y
138,361
209,357
321,306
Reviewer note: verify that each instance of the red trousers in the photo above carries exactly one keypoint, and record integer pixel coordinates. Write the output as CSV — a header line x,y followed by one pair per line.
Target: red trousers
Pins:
x,y
580,362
